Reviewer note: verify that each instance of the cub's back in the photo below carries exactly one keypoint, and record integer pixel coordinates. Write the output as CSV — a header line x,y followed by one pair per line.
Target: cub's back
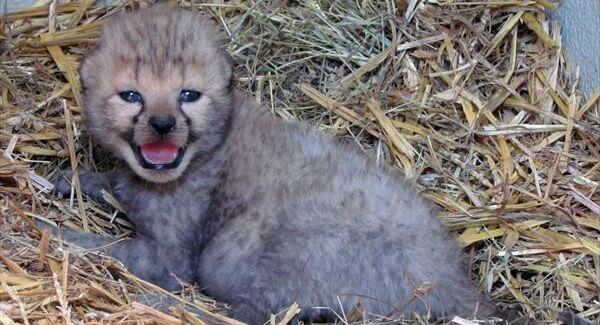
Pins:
x,y
304,207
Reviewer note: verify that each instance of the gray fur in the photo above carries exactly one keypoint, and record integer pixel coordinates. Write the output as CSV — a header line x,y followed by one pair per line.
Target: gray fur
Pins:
x,y
272,212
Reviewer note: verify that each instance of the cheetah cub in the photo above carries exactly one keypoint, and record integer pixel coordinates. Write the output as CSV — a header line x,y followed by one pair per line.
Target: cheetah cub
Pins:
x,y
257,211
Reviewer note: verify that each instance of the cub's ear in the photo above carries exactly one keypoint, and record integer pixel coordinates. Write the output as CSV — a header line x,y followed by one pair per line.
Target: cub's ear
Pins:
x,y
86,66
229,64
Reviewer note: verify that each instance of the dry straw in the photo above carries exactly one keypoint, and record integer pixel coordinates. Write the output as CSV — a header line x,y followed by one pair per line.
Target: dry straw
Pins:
x,y
471,100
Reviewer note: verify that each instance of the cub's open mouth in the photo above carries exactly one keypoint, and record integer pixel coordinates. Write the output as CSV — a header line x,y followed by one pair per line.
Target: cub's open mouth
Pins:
x,y
158,155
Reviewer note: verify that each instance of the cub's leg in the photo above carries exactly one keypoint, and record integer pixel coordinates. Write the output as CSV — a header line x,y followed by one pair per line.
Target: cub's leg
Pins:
x,y
92,183
142,255
155,262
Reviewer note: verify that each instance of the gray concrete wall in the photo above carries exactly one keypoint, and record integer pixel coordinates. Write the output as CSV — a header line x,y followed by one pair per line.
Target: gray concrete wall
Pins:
x,y
580,21
12,5
581,36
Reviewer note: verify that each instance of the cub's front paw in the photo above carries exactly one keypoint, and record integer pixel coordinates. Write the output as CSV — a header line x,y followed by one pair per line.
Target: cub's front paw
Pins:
x,y
83,240
91,184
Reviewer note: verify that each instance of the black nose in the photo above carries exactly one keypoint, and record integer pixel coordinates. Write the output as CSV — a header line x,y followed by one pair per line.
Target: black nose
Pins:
x,y
162,124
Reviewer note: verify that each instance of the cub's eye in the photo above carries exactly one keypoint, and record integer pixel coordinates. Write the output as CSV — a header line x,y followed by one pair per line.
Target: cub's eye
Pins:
x,y
189,96
131,96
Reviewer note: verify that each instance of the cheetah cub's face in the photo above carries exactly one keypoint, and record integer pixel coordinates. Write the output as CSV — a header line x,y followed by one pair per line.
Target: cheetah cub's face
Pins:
x,y
157,90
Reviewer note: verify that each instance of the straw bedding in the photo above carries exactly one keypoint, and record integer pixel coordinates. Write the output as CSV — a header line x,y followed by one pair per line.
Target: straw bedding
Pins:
x,y
473,101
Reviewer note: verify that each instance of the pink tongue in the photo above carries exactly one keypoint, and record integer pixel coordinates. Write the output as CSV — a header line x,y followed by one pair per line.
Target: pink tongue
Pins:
x,y
160,152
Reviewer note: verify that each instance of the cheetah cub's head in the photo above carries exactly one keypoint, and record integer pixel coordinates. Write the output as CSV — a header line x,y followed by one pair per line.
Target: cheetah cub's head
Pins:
x,y
157,90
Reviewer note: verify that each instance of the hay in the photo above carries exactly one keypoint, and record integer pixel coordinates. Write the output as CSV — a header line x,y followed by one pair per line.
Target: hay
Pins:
x,y
471,100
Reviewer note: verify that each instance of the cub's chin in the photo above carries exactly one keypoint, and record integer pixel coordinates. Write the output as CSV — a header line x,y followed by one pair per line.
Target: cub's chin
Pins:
x,y
158,176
